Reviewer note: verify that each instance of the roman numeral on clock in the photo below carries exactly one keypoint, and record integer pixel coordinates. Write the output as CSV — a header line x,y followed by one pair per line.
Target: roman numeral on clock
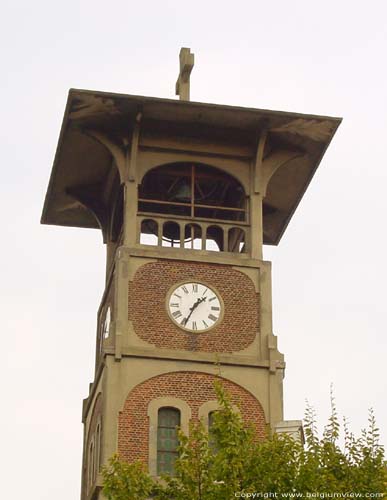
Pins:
x,y
174,304
194,326
185,289
212,298
212,317
195,287
214,308
176,314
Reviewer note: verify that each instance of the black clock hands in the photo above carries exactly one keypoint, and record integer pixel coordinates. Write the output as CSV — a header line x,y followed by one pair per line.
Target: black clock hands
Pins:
x,y
199,301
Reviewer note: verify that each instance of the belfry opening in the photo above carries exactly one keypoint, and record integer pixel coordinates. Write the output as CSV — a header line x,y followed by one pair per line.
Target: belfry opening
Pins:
x,y
212,202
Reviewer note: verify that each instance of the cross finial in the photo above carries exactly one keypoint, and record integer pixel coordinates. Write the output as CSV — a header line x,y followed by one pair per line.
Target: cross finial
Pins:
x,y
186,64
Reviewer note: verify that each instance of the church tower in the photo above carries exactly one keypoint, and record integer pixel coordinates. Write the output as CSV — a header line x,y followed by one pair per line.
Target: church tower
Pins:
x,y
185,195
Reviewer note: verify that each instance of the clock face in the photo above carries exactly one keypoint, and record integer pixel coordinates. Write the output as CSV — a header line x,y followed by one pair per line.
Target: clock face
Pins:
x,y
194,306
106,325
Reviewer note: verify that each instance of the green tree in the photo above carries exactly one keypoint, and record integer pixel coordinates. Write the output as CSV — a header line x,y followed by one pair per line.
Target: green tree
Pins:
x,y
126,481
233,460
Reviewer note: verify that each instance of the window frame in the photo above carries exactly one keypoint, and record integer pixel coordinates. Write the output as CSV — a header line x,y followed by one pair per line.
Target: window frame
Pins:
x,y
153,409
192,204
162,436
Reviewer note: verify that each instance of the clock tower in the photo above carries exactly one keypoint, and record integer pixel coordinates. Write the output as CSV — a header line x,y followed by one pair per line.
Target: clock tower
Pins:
x,y
185,195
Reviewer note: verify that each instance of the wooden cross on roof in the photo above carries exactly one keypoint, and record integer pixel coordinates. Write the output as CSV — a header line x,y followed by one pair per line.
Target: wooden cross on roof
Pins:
x,y
186,64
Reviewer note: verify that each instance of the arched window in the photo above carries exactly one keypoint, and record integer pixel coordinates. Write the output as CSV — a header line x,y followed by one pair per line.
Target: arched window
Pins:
x,y
214,238
91,465
97,448
149,232
167,439
211,437
193,237
171,234
236,240
192,190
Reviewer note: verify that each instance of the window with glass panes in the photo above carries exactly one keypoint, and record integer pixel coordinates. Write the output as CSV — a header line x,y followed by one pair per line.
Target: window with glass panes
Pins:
x,y
211,437
167,440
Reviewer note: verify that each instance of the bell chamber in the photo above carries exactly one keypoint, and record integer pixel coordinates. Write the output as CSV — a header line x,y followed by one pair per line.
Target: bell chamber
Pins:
x,y
197,193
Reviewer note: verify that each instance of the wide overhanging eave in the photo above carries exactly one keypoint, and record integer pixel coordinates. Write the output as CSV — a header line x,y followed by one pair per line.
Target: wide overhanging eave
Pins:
x,y
80,159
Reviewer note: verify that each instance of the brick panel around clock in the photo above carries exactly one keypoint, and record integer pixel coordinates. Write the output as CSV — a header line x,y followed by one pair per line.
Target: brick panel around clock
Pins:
x,y
147,309
193,388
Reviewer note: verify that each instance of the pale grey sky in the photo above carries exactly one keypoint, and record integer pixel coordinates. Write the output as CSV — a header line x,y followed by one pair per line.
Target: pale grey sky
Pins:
x,y
329,271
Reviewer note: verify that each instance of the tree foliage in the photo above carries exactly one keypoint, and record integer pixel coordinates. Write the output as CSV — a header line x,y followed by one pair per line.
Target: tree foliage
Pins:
x,y
126,481
232,460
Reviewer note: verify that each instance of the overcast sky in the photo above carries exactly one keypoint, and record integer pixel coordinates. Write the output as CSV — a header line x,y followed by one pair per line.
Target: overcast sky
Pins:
x,y
329,271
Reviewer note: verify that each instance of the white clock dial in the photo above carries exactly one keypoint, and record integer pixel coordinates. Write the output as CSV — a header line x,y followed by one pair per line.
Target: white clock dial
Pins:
x,y
106,325
194,306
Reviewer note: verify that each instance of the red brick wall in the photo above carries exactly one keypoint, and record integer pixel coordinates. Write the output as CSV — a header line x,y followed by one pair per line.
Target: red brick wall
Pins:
x,y
147,310
192,387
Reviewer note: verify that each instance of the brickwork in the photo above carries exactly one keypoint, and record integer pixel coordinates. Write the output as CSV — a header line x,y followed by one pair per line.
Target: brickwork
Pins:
x,y
192,387
147,311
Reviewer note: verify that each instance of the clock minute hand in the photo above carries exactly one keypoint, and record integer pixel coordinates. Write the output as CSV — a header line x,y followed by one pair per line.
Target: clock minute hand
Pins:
x,y
199,301
192,310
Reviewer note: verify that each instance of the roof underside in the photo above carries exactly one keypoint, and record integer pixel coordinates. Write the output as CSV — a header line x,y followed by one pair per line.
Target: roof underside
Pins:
x,y
81,160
